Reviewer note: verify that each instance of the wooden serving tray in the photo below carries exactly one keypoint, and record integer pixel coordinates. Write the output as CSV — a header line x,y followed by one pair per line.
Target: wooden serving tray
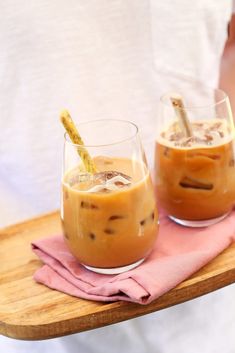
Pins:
x,y
31,311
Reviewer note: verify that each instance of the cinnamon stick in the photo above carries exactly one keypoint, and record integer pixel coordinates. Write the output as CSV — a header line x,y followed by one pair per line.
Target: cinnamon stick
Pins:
x,y
76,139
178,105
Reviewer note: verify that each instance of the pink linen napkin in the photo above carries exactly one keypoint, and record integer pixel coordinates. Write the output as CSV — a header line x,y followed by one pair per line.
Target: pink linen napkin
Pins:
x,y
178,253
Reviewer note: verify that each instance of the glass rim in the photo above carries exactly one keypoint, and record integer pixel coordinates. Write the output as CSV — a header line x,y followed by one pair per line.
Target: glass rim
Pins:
x,y
67,138
193,107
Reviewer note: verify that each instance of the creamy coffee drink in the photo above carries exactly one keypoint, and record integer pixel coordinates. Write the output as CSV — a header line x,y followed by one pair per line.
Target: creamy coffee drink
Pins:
x,y
195,176
110,218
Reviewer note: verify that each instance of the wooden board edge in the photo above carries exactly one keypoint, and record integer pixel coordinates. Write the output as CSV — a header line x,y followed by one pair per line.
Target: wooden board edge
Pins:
x,y
113,314
11,229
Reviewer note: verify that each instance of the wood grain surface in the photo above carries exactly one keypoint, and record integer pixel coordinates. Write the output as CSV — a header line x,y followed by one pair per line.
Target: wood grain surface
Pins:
x,y
31,311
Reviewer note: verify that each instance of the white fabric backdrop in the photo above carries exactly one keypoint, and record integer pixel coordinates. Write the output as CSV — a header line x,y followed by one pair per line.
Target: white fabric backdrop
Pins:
x,y
106,58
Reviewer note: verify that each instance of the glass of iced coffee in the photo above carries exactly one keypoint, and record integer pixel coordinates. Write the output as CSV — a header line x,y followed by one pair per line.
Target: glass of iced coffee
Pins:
x,y
194,157
108,206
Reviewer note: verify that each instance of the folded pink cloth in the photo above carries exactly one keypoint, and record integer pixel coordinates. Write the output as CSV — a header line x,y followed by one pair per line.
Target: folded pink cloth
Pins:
x,y
178,253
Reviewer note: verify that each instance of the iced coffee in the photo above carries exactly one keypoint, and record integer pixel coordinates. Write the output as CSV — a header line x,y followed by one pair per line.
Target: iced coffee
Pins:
x,y
109,217
195,176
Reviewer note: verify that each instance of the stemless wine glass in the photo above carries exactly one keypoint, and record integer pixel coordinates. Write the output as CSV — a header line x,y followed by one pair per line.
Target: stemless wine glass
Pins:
x,y
109,217
194,157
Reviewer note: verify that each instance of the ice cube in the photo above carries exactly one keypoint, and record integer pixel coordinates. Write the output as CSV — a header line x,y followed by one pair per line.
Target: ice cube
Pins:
x,y
104,176
110,181
118,180
77,178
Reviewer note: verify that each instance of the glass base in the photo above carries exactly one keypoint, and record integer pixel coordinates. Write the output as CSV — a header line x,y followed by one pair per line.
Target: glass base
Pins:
x,y
115,270
205,223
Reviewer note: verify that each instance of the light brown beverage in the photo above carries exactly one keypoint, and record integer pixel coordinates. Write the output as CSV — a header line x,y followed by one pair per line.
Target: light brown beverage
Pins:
x,y
110,219
195,176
